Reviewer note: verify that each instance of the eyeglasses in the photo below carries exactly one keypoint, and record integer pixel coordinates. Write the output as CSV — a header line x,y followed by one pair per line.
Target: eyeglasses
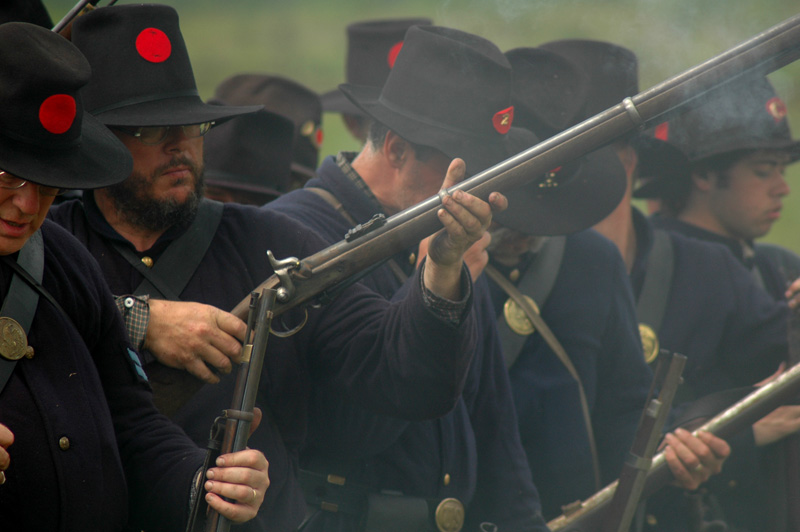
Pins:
x,y
155,135
11,182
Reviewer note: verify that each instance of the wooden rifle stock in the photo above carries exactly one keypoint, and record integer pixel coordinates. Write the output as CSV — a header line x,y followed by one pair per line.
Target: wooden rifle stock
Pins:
x,y
589,516
313,276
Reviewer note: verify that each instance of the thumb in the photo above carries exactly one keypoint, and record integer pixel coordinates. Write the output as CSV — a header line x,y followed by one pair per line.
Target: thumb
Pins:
x,y
257,415
455,173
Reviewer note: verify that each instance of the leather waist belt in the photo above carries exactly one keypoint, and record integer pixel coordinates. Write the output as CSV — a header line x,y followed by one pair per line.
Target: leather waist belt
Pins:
x,y
386,511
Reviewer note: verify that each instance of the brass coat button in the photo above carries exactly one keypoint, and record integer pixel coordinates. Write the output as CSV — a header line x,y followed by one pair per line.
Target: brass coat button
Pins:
x,y
412,259
514,275
731,484
147,261
63,443
651,520
447,479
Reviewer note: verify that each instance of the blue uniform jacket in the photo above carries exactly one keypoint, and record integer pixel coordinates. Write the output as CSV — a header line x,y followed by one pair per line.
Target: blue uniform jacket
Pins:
x,y
90,449
590,310
774,274
476,445
400,359
733,334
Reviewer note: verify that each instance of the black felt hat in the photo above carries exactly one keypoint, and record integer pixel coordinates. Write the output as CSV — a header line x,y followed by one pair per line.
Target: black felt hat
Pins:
x,y
746,114
141,74
32,11
372,47
550,94
45,134
252,153
286,97
449,90
613,75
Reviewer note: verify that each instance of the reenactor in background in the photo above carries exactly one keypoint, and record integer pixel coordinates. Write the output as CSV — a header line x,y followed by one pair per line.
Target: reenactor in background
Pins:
x,y
285,97
175,260
82,447
577,372
249,160
372,48
693,298
400,476
738,145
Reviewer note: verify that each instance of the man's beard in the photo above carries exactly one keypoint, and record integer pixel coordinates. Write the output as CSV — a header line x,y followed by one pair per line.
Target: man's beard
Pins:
x,y
132,201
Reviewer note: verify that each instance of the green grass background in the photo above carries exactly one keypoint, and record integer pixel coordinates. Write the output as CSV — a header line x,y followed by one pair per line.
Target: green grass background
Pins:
x,y
305,40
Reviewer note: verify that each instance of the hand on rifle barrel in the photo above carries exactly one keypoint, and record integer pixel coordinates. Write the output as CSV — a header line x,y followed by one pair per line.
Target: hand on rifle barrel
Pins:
x,y
242,477
194,337
465,219
694,459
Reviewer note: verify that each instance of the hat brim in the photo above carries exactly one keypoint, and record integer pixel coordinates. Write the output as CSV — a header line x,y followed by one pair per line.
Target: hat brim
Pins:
x,y
99,160
336,102
594,190
479,153
170,112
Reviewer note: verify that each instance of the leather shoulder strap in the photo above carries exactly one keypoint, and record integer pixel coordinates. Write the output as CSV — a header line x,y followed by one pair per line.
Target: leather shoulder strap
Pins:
x,y
22,298
652,302
173,270
537,282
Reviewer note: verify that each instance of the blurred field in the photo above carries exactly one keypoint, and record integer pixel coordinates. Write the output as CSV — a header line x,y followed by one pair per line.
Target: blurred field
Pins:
x,y
305,40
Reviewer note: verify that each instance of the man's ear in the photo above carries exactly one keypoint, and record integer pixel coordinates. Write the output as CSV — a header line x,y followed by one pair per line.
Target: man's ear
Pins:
x,y
396,149
703,180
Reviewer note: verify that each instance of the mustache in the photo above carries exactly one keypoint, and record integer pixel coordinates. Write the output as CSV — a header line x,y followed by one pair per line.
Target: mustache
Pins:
x,y
178,162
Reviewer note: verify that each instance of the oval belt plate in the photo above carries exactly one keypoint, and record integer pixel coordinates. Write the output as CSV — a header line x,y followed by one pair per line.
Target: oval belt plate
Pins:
x,y
517,319
450,515
649,342
13,340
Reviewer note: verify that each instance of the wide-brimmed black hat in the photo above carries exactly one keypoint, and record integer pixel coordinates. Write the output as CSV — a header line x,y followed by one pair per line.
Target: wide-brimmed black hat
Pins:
x,y
141,74
45,134
449,90
32,11
372,47
746,114
288,98
252,153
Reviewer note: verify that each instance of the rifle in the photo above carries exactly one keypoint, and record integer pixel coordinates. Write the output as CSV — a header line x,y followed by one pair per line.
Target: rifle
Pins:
x,y
64,26
231,430
589,514
317,276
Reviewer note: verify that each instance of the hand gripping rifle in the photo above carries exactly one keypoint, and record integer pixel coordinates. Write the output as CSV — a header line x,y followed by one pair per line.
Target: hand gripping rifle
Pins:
x,y
321,276
590,514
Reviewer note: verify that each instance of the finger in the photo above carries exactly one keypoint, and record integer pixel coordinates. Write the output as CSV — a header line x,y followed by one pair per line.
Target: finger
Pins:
x,y
475,206
197,368
455,173
230,324
247,459
498,202
238,512
718,446
683,477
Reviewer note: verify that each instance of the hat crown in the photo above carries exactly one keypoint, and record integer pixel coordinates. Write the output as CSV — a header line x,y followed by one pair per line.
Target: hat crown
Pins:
x,y
548,91
612,70
137,54
39,95
372,47
450,79
747,114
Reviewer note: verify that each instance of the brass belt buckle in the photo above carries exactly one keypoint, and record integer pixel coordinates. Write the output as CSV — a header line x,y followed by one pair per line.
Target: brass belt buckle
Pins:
x,y
449,515
650,345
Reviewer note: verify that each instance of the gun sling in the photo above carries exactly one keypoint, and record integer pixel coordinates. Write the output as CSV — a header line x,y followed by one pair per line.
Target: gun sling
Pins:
x,y
22,297
548,278
166,280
